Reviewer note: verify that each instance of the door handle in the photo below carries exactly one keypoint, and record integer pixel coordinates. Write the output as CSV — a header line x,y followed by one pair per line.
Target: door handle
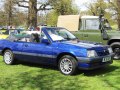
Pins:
x,y
26,45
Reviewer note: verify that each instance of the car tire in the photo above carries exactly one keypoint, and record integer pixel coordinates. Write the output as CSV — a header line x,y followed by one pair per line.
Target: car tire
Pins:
x,y
116,49
8,57
67,65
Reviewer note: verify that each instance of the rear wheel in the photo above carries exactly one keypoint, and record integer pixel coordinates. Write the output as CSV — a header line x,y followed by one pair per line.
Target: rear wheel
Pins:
x,y
116,49
67,65
8,57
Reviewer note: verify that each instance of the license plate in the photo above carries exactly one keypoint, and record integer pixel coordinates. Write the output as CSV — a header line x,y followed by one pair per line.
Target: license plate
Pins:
x,y
106,59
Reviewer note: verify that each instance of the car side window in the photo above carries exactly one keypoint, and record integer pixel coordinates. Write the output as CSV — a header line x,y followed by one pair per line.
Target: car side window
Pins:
x,y
15,39
33,38
43,36
19,38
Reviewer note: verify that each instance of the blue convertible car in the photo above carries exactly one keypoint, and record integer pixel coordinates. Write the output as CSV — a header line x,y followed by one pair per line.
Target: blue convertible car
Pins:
x,y
56,46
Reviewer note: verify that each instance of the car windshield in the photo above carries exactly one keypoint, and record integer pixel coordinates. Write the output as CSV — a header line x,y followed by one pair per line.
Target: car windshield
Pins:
x,y
0,32
59,34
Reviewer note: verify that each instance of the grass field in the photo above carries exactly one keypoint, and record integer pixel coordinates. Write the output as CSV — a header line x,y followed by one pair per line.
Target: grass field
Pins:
x,y
36,77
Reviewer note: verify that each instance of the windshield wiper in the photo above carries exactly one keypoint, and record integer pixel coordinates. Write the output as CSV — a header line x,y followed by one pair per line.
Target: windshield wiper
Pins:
x,y
72,39
62,40
67,39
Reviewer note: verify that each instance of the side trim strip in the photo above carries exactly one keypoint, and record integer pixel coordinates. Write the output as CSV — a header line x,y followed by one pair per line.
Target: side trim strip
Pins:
x,y
34,54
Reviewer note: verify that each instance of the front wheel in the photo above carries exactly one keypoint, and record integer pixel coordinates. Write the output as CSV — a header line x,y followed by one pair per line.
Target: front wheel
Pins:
x,y
8,57
67,65
116,49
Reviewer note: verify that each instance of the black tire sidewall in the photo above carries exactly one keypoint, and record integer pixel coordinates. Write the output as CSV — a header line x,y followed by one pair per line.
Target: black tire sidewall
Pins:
x,y
12,61
115,45
74,64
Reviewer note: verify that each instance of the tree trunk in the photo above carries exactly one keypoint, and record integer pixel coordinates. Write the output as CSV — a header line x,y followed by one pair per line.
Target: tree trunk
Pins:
x,y
118,17
10,16
8,7
118,22
32,13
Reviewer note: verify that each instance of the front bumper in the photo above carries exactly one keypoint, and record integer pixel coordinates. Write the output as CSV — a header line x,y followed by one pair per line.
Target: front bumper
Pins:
x,y
93,63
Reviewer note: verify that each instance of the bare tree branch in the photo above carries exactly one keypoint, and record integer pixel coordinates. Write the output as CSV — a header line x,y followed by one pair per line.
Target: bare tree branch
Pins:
x,y
90,7
43,7
23,6
21,1
32,9
114,6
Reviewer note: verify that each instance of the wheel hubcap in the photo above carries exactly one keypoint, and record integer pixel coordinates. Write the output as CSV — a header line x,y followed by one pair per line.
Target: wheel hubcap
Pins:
x,y
66,66
8,57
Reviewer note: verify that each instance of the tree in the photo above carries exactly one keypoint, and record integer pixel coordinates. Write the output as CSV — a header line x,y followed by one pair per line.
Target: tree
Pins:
x,y
53,17
64,7
61,7
115,7
96,8
3,20
9,9
18,19
32,9
10,14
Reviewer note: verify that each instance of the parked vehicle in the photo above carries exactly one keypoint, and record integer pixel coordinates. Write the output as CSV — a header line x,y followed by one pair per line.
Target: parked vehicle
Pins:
x,y
77,22
56,46
89,30
111,38
5,33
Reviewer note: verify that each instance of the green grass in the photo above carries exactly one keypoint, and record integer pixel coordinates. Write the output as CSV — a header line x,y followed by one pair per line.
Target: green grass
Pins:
x,y
36,77
24,76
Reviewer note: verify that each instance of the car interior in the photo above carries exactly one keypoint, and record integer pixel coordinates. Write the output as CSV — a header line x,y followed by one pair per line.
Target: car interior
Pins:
x,y
25,38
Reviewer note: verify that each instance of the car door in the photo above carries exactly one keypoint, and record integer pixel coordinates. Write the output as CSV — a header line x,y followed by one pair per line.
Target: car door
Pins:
x,y
17,48
92,35
37,52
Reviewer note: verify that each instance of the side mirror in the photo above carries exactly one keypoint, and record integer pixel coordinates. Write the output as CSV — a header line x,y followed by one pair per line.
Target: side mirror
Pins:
x,y
46,41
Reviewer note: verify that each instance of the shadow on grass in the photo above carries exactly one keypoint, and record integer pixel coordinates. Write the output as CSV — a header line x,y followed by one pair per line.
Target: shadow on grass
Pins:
x,y
113,85
99,71
44,66
48,79
40,79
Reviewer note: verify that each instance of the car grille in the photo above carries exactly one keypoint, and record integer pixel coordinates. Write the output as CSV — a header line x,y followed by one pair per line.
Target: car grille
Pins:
x,y
103,53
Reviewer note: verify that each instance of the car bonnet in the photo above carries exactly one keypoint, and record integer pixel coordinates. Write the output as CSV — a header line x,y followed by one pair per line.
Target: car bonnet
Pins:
x,y
85,44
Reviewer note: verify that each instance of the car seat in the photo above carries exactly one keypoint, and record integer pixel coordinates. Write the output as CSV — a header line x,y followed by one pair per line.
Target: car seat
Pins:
x,y
34,37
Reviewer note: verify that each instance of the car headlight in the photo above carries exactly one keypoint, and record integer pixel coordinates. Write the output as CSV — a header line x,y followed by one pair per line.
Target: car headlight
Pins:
x,y
91,53
110,50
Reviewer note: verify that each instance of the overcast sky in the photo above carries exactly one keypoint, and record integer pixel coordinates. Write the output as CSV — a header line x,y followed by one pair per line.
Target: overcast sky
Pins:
x,y
81,3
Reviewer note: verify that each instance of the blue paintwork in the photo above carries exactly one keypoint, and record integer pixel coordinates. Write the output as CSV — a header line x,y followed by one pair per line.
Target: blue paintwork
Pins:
x,y
48,53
